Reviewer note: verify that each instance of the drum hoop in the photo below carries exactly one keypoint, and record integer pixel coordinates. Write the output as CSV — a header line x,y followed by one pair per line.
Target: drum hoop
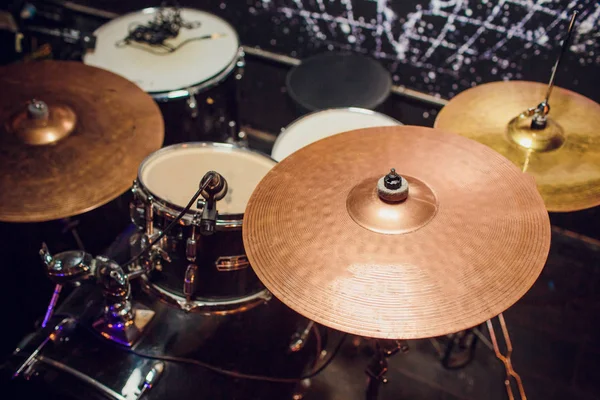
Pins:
x,y
224,307
281,137
191,90
231,221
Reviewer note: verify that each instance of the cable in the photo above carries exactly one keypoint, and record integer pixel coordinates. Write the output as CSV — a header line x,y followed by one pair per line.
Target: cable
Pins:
x,y
176,220
168,49
239,375
164,26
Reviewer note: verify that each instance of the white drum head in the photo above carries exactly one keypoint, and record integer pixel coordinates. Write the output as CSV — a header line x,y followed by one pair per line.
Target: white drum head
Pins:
x,y
173,174
195,62
321,124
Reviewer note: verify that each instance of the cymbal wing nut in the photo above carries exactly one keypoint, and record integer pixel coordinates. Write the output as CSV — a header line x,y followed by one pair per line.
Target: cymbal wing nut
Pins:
x,y
392,188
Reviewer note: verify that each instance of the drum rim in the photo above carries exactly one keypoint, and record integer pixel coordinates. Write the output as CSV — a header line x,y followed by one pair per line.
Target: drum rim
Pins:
x,y
184,92
285,131
229,220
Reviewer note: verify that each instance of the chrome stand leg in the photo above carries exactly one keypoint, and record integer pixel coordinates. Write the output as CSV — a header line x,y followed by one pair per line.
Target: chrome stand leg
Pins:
x,y
52,305
378,366
510,372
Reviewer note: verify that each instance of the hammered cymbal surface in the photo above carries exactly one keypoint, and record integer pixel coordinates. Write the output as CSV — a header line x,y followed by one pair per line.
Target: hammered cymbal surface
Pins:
x,y
117,126
484,247
568,177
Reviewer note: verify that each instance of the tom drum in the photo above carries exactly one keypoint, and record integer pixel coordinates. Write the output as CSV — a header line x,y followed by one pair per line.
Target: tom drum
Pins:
x,y
193,76
321,124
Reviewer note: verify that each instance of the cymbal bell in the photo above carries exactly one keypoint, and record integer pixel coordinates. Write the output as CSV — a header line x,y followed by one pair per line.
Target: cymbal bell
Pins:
x,y
71,138
563,157
458,239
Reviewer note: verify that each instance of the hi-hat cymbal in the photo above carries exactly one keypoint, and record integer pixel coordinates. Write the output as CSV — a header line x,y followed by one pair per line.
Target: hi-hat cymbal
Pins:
x,y
564,158
72,138
469,240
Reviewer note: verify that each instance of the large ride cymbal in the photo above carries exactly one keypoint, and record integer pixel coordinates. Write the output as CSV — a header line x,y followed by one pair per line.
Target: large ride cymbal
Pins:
x,y
71,138
468,242
564,158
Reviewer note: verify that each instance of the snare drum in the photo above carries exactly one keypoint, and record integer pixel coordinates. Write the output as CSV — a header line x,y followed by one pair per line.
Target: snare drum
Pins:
x,y
321,124
196,85
217,264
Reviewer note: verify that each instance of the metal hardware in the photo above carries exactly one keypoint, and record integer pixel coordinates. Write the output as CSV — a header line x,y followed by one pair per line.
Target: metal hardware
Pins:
x,y
52,304
240,65
191,246
122,322
68,266
207,307
57,333
151,378
137,214
232,263
510,372
149,217
378,366
192,104
458,349
299,338
302,389
541,111
189,282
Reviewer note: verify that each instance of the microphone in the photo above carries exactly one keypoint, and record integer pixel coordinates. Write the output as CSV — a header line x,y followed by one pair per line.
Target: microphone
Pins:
x,y
217,185
215,188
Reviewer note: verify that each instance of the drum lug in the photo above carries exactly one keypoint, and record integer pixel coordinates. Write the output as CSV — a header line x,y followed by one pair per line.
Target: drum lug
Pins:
x,y
190,281
190,249
232,263
299,338
192,104
241,64
191,243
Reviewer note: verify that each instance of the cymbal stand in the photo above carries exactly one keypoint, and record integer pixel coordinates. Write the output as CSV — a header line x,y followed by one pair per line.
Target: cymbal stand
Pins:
x,y
378,366
71,226
510,372
540,112
459,349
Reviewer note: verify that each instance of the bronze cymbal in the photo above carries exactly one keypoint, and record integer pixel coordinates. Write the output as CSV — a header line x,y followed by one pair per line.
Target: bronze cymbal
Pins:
x,y
469,240
71,138
564,158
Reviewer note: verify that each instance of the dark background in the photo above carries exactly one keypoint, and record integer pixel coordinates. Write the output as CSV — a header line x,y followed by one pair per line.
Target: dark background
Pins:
x,y
438,47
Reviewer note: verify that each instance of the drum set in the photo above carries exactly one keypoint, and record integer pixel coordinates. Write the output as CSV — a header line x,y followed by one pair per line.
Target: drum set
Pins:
x,y
244,272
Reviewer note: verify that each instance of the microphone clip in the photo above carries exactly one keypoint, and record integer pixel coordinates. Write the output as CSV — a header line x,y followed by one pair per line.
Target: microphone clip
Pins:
x,y
214,190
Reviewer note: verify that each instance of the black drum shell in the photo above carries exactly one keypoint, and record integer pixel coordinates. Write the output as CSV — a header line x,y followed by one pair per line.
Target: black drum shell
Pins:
x,y
212,284
217,116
